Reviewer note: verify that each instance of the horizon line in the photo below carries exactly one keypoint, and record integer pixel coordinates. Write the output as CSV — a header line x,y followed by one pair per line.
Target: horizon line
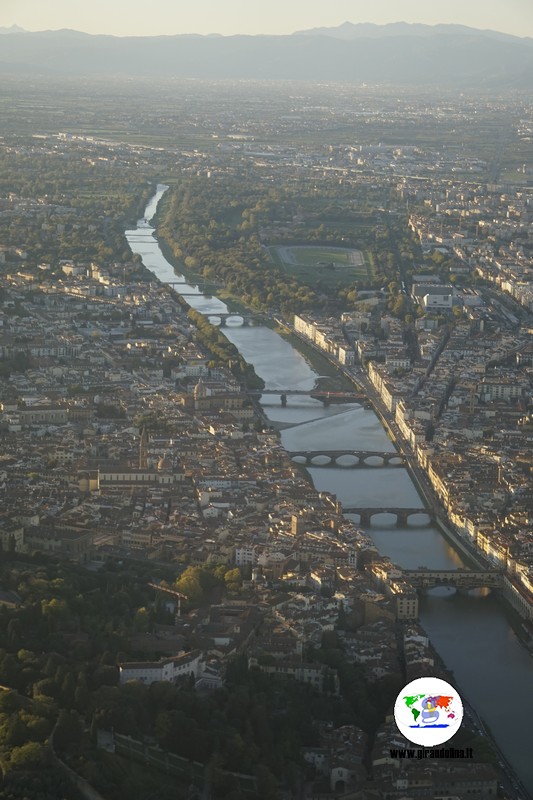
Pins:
x,y
19,30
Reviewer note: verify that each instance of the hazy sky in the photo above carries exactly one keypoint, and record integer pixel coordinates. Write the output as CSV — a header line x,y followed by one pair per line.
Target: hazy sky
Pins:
x,y
151,17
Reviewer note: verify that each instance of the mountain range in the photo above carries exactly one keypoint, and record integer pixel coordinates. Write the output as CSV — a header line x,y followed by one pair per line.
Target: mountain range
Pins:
x,y
399,53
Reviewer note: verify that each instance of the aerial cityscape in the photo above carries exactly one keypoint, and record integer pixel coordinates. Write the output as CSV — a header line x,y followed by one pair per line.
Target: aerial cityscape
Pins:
x,y
266,412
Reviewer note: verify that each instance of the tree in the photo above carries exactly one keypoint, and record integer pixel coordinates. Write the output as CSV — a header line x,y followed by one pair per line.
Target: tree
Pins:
x,y
14,732
28,756
233,580
189,585
393,287
142,621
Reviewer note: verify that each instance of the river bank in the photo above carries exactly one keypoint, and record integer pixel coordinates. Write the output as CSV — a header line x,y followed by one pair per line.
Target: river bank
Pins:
x,y
471,633
473,557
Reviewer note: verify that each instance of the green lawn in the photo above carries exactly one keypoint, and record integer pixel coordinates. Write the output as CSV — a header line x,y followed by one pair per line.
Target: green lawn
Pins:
x,y
327,265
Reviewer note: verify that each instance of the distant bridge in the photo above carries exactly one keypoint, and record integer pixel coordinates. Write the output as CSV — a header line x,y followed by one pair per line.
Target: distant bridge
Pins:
x,y
458,578
176,284
311,393
392,459
316,394
404,516
247,319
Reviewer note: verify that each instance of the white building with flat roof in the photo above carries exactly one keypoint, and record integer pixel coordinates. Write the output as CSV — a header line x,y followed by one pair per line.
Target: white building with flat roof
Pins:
x,y
169,669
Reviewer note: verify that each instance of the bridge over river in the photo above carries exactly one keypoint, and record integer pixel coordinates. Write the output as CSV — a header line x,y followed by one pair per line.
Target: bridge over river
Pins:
x,y
225,317
360,458
424,578
403,516
317,394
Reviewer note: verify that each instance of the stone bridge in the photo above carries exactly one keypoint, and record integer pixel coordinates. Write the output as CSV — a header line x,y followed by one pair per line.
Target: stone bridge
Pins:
x,y
361,458
320,393
458,578
247,319
317,394
404,516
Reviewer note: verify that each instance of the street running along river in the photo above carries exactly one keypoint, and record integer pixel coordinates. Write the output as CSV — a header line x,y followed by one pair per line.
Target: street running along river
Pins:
x,y
471,633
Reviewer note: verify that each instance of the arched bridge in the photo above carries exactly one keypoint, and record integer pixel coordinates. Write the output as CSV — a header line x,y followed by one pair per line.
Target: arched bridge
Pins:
x,y
404,516
244,319
458,578
360,458
316,394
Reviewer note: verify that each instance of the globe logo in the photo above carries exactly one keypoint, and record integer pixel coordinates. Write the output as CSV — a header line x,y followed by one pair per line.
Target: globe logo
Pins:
x,y
428,711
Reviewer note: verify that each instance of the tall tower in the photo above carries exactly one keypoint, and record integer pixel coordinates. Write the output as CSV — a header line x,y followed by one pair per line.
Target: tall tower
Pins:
x,y
143,448
298,524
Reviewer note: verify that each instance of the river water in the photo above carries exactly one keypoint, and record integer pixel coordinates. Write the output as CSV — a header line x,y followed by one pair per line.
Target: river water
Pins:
x,y
471,633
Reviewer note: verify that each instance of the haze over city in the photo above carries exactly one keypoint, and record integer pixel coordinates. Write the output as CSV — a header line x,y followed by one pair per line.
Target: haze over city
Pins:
x,y
136,18
266,400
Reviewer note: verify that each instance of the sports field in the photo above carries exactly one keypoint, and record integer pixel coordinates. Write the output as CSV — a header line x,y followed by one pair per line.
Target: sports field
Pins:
x,y
325,264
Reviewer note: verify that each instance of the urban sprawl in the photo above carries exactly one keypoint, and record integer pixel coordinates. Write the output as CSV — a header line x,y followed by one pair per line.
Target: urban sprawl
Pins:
x,y
125,441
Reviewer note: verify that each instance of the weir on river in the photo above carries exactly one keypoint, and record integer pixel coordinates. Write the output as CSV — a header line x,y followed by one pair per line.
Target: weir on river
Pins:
x,y
471,632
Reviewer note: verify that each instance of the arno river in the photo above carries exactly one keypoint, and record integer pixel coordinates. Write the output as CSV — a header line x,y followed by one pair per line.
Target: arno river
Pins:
x,y
471,633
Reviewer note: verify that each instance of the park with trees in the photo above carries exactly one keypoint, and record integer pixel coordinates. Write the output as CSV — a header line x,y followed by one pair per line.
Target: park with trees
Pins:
x,y
220,227
59,651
